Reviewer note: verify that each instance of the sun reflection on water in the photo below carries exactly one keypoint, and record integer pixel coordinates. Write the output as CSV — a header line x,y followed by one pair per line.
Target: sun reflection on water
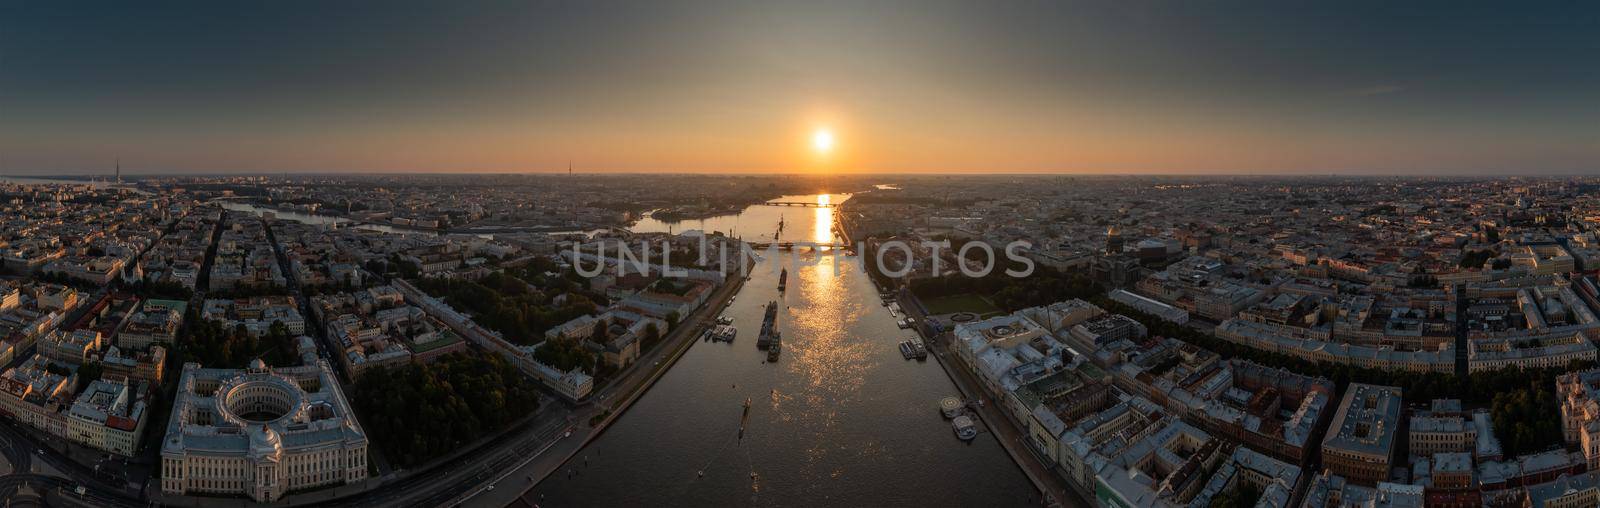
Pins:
x,y
828,364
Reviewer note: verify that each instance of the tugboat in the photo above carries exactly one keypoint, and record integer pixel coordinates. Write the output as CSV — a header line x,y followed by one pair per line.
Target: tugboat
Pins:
x,y
775,348
769,326
783,280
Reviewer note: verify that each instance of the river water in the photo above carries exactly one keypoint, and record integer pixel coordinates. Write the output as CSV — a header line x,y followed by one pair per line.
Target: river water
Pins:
x,y
839,419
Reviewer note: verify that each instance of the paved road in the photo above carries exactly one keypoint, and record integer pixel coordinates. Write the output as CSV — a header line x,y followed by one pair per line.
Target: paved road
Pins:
x,y
439,484
516,488
10,483
16,440
17,453
516,460
1009,435
1005,430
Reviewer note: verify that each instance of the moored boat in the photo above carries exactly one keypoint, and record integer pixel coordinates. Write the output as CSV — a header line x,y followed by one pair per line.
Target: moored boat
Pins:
x,y
950,407
769,326
965,428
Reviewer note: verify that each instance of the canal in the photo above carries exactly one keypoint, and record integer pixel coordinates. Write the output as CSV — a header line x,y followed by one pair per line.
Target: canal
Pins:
x,y
839,419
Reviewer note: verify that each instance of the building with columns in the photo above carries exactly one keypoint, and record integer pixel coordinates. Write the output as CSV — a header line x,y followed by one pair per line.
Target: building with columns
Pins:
x,y
260,432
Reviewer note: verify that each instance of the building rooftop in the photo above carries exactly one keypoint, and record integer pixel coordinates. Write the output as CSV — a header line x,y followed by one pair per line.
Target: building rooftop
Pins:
x,y
1366,420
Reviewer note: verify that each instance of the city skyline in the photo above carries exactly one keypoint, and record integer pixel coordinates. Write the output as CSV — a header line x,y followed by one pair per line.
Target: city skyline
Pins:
x,y
709,87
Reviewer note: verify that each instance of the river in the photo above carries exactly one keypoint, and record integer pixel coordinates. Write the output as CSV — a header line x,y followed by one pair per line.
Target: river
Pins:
x,y
839,419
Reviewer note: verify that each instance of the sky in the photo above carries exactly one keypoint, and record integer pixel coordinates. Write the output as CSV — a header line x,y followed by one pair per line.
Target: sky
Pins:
x,y
743,86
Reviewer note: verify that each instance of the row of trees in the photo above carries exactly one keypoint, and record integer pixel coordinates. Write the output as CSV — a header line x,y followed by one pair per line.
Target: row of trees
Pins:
x,y
507,304
545,274
566,354
167,290
1526,414
1527,419
248,291
416,412
1045,286
1474,258
215,345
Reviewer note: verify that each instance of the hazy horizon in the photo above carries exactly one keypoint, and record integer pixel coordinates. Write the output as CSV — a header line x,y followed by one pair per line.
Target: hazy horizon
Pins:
x,y
127,173
740,87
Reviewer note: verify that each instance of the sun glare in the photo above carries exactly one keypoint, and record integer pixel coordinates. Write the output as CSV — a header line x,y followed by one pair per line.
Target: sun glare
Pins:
x,y
822,141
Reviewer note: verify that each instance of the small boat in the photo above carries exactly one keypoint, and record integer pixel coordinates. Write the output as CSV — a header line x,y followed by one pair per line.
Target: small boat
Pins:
x,y
903,323
724,333
783,280
724,320
913,348
950,407
964,427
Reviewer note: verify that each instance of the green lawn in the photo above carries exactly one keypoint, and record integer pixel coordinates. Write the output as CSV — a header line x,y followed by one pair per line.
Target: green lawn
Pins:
x,y
959,303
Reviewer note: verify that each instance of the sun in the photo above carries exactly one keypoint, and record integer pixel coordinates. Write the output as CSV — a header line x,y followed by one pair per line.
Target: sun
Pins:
x,y
822,141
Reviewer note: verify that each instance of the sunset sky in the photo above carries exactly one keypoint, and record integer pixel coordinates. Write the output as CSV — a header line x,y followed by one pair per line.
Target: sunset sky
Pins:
x,y
745,86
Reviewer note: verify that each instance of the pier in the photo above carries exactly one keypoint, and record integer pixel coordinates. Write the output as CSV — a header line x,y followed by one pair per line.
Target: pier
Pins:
x,y
806,204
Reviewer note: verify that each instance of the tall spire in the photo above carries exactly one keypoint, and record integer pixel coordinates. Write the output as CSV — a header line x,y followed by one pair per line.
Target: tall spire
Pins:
x,y
119,171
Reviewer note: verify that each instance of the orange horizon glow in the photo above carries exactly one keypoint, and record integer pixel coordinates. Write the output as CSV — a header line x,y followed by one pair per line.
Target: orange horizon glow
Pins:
x,y
875,138
744,87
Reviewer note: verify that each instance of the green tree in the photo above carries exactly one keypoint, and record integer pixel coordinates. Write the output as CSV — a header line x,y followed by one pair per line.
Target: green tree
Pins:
x,y
417,412
652,335
89,373
601,332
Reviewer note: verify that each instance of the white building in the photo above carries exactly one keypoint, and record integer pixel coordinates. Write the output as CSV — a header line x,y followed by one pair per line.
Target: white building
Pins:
x,y
260,432
109,416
